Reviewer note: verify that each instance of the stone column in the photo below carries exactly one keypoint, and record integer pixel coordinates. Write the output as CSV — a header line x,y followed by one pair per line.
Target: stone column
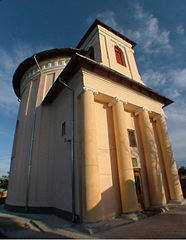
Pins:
x,y
168,158
156,190
91,202
125,168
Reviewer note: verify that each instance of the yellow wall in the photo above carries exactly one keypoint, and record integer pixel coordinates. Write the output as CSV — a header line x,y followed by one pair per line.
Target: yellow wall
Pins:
x,y
111,205
103,42
113,89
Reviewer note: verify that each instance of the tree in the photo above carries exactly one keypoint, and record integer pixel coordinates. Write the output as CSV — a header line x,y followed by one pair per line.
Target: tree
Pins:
x,y
182,171
4,182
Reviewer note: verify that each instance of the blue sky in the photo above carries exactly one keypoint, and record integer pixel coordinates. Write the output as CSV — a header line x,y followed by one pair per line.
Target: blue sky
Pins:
x,y
158,27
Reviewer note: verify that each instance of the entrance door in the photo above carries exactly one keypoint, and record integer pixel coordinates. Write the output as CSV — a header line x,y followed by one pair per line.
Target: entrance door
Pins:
x,y
138,185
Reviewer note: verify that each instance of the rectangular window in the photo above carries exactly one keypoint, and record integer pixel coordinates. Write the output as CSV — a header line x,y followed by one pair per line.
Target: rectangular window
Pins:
x,y
119,56
134,162
132,138
63,129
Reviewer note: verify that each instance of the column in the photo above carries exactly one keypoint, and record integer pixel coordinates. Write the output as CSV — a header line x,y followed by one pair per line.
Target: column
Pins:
x,y
91,202
125,168
168,158
156,191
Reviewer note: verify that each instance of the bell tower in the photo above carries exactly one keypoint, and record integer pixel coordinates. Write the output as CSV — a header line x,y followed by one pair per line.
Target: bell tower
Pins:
x,y
112,49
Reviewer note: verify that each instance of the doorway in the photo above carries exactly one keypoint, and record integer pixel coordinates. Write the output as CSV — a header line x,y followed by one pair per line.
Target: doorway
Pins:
x,y
138,184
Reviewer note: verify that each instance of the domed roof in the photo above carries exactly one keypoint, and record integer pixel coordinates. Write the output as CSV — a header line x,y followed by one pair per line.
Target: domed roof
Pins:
x,y
29,62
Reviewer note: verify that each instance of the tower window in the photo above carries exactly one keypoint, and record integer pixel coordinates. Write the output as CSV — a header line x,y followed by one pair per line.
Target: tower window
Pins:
x,y
119,56
132,138
90,53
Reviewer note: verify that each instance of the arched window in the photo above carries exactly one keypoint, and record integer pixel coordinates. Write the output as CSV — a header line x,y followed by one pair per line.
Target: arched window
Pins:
x,y
90,53
119,56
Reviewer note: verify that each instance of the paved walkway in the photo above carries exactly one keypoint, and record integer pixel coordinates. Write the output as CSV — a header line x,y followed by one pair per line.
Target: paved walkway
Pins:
x,y
170,224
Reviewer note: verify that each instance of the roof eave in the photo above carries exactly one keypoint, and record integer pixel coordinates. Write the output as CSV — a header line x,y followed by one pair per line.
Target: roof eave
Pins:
x,y
78,61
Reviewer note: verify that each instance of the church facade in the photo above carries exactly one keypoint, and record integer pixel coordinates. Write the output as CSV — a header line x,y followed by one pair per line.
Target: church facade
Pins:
x,y
91,139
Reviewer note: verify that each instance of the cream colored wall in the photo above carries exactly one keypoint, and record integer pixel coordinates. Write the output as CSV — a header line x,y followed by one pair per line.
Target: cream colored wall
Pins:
x,y
46,66
19,168
93,41
45,84
34,87
110,202
135,101
113,89
108,41
42,159
104,42
62,161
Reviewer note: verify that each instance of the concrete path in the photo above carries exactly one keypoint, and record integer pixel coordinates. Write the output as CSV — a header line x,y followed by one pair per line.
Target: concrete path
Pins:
x,y
171,224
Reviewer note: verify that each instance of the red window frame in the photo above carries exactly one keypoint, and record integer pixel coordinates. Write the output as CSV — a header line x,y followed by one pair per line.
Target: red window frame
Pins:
x,y
119,56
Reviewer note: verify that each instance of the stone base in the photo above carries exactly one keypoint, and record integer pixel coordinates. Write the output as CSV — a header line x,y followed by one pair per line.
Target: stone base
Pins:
x,y
177,202
159,208
134,216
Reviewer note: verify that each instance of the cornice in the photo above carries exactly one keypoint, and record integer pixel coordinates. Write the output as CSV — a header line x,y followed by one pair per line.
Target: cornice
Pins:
x,y
46,66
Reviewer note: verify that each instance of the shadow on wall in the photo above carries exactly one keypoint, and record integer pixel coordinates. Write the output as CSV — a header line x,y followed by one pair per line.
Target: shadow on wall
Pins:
x,y
108,212
156,188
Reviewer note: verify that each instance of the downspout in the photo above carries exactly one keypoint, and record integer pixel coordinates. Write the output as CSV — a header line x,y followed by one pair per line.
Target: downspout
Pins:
x,y
31,149
30,162
72,151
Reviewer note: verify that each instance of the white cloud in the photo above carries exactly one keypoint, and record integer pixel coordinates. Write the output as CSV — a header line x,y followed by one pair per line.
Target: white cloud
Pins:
x,y
179,78
154,78
177,112
148,33
177,129
109,18
153,39
180,29
9,62
171,81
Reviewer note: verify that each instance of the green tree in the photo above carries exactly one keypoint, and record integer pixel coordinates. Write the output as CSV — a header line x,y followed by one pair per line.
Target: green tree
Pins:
x,y
182,171
4,182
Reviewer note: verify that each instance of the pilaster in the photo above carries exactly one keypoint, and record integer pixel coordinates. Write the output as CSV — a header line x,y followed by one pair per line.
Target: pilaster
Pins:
x,y
168,158
125,168
91,203
156,190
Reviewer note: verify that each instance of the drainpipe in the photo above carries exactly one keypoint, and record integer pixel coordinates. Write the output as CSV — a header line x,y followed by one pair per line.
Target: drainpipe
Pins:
x,y
31,149
72,151
30,162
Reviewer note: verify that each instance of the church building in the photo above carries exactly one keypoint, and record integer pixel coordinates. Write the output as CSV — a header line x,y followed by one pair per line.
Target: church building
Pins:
x,y
91,140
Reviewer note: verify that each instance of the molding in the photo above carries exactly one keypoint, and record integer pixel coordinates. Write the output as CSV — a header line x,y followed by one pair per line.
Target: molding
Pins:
x,y
46,66
141,109
159,116
116,99
90,89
